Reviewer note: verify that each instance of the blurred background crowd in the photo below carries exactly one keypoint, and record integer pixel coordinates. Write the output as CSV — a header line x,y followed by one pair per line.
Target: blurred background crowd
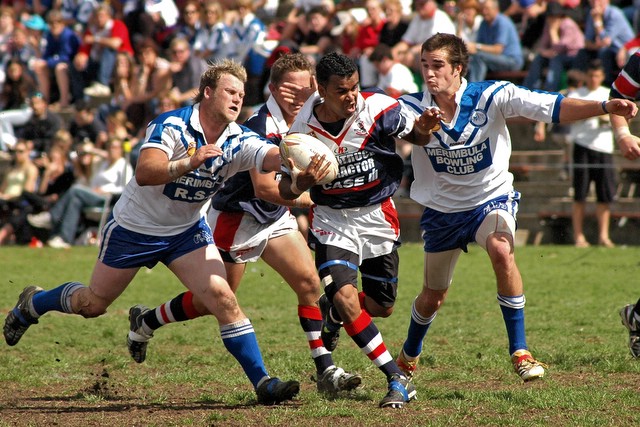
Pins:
x,y
80,79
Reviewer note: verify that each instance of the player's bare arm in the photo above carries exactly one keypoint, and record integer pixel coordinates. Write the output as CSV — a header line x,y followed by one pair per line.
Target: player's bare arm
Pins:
x,y
155,168
628,143
265,187
576,109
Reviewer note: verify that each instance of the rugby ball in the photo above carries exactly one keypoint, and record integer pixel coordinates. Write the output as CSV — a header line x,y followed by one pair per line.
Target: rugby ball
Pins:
x,y
301,147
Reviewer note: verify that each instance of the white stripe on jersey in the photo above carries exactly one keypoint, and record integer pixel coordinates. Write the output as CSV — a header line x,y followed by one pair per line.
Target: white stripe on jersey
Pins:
x,y
466,162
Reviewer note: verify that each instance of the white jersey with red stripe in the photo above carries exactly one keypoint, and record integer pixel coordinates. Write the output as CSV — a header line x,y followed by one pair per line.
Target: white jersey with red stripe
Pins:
x,y
170,209
466,162
369,168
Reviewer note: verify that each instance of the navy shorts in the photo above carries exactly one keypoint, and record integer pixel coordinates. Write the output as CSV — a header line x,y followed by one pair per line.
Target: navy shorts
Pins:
x,y
446,231
122,248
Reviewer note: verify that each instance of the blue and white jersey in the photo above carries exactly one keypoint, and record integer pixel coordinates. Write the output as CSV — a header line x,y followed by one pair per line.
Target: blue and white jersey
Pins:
x,y
238,194
369,168
172,208
466,162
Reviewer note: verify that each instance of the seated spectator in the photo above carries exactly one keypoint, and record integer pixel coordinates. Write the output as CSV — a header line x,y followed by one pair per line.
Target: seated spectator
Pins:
x,y
7,25
315,37
15,108
85,125
529,17
62,44
96,57
22,176
426,22
560,42
186,69
394,78
153,79
468,20
606,31
21,49
213,36
190,21
497,47
248,47
395,24
124,78
56,178
164,18
367,38
41,127
63,218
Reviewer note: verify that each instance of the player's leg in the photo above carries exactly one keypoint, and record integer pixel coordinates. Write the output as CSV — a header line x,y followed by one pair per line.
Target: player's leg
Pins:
x,y
630,315
338,269
185,306
496,235
107,283
300,273
438,274
202,272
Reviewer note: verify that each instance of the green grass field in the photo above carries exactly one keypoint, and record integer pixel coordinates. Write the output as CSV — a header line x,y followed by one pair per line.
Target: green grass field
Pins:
x,y
71,371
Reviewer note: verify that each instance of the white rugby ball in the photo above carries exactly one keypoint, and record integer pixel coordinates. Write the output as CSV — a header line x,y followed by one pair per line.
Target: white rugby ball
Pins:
x,y
301,147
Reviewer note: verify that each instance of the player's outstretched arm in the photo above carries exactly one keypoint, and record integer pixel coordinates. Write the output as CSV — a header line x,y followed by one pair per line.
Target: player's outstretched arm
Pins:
x,y
572,109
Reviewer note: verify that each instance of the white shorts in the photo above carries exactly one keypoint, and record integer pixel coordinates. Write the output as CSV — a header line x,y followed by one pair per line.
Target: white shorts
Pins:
x,y
244,238
370,231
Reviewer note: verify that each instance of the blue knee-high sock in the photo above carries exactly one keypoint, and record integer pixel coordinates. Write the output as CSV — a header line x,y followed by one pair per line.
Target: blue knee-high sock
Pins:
x,y
240,340
57,299
418,328
513,315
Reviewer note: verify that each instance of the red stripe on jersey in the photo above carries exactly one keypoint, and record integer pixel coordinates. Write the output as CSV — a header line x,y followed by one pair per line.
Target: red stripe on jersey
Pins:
x,y
309,312
391,215
359,325
225,229
187,306
352,189
379,350
626,87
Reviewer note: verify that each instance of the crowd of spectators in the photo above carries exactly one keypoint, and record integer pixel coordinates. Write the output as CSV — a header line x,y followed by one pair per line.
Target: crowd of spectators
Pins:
x,y
100,70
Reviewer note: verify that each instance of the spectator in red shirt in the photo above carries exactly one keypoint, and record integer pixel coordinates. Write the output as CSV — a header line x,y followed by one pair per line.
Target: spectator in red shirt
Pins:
x,y
103,38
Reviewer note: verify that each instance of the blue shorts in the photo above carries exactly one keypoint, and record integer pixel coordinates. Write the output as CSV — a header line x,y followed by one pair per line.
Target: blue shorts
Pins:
x,y
446,231
122,248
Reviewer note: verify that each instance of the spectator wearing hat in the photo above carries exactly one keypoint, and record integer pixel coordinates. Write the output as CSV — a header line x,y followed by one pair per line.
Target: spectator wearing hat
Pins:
x,y
62,44
559,44
96,57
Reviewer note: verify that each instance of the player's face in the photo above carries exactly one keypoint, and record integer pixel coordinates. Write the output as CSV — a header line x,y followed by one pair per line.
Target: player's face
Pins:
x,y
225,102
298,78
438,73
340,96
